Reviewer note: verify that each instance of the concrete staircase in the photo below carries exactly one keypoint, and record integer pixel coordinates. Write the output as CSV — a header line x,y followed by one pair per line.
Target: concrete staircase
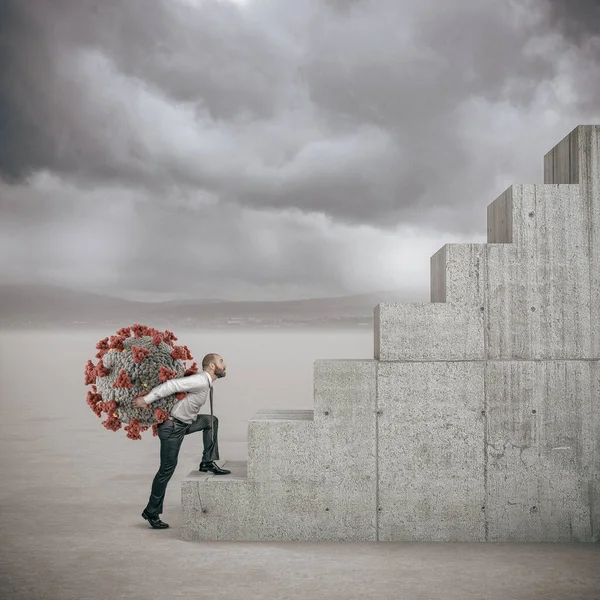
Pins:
x,y
478,418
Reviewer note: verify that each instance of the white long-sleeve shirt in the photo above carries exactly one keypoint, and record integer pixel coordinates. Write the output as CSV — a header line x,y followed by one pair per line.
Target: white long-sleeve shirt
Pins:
x,y
197,387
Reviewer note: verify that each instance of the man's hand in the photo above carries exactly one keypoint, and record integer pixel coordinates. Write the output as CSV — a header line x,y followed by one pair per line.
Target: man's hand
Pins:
x,y
138,401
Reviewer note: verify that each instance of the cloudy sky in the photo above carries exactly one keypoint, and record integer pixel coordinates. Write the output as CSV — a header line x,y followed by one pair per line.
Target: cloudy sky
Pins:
x,y
274,149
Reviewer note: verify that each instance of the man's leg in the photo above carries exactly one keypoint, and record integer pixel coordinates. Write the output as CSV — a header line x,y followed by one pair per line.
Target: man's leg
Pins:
x,y
202,423
171,435
211,449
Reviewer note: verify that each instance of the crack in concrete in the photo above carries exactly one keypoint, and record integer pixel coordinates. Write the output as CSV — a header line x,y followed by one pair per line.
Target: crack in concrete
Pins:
x,y
502,453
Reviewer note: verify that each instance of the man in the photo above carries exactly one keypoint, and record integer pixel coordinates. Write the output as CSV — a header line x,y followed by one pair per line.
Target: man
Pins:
x,y
184,419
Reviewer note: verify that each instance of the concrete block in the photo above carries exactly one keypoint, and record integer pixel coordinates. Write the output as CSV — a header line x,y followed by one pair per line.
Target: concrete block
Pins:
x,y
345,393
428,331
244,510
576,160
437,276
458,274
536,211
430,451
283,414
561,164
339,443
537,301
542,450
500,219
283,450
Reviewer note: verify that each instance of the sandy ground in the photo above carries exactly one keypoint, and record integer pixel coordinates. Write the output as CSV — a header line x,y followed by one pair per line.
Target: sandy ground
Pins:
x,y
72,494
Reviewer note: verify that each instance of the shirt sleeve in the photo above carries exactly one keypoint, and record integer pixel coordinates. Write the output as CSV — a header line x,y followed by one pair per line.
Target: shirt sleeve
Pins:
x,y
179,384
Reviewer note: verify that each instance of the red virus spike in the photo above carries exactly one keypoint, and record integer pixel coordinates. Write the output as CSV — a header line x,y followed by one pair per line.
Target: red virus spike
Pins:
x,y
133,430
169,337
179,352
94,389
116,342
139,354
92,399
155,430
157,338
192,370
112,423
98,408
110,407
90,373
101,370
161,415
166,374
124,332
181,395
103,344
139,330
122,380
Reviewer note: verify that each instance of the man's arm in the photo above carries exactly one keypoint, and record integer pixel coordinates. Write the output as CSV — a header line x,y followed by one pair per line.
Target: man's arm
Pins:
x,y
173,386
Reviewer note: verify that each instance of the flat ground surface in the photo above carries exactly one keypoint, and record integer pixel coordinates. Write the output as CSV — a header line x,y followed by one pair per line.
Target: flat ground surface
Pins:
x,y
72,494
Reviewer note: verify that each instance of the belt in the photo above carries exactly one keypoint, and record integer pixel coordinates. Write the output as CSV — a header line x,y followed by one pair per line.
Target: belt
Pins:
x,y
177,420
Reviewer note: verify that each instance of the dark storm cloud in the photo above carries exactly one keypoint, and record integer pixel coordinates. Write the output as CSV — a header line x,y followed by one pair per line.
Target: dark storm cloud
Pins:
x,y
348,108
577,19
312,144
23,147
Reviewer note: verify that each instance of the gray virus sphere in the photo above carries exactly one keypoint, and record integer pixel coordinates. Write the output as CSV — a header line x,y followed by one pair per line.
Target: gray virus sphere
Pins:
x,y
131,366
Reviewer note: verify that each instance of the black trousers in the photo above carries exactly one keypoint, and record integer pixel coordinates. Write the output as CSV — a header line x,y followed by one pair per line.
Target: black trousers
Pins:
x,y
171,434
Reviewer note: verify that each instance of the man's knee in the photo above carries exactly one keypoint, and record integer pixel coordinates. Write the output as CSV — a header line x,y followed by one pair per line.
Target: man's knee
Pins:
x,y
216,421
167,470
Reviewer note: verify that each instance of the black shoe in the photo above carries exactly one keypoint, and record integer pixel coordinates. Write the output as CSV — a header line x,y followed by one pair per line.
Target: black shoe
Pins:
x,y
155,522
211,466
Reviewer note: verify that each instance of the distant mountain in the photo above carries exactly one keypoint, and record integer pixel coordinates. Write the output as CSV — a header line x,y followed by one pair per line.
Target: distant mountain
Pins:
x,y
22,305
49,303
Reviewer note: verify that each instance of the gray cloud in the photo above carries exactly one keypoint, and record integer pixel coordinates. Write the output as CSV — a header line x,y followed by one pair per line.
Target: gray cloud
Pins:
x,y
284,137
578,19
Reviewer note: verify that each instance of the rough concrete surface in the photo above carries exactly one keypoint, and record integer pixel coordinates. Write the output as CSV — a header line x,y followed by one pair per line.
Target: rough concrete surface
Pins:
x,y
430,459
478,418
436,331
543,450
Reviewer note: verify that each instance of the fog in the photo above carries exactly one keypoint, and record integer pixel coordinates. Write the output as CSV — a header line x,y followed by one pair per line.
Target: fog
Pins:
x,y
72,493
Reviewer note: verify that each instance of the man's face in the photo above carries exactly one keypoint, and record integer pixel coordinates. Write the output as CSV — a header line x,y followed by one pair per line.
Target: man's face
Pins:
x,y
220,368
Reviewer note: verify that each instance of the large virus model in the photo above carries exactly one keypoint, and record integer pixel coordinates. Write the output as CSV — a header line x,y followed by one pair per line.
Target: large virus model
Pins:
x,y
132,366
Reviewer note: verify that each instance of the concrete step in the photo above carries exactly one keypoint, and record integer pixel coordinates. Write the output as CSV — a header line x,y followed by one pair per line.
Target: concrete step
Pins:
x,y
281,449
232,507
525,293
524,213
238,468
456,274
540,287
319,445
428,331
274,436
282,415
